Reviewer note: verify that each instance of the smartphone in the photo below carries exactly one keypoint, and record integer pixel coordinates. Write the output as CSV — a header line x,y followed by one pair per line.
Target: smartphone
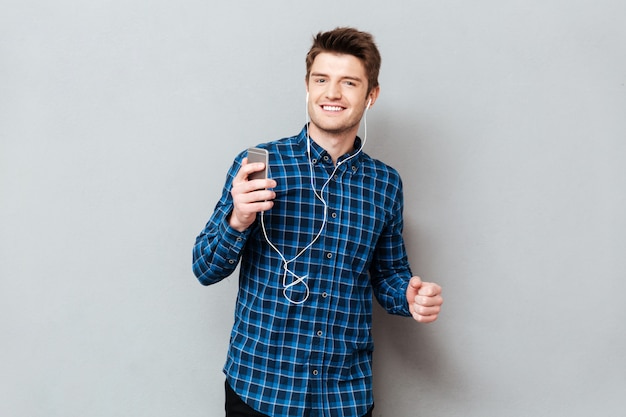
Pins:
x,y
258,155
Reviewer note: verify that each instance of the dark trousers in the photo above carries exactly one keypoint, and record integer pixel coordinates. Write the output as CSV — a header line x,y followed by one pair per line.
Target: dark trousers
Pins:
x,y
236,407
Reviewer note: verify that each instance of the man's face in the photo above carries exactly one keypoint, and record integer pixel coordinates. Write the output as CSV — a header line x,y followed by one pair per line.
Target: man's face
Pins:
x,y
337,87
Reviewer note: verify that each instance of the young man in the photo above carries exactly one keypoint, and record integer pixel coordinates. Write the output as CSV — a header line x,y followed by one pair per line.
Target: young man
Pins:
x,y
315,241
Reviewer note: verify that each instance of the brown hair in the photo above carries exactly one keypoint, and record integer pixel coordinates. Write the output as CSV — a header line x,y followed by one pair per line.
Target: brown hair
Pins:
x,y
346,40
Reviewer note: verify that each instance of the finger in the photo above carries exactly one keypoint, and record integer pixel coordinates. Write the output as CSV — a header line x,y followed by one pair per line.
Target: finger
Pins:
x,y
252,167
429,289
245,187
426,311
259,206
428,301
259,195
425,314
244,197
246,169
425,319
261,184
241,174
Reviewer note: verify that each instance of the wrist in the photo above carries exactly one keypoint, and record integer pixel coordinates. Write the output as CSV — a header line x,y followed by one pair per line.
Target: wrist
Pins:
x,y
235,223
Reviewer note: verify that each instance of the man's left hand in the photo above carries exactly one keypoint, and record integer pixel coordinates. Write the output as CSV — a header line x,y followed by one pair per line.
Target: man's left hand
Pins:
x,y
424,300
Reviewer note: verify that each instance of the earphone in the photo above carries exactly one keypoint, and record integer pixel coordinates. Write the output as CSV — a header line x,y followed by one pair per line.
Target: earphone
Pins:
x,y
286,270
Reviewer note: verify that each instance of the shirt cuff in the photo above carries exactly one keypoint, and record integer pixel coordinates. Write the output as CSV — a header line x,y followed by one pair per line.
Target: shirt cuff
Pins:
x,y
233,242
404,309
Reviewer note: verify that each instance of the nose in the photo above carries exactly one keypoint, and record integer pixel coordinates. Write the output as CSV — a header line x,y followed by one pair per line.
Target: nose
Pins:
x,y
333,91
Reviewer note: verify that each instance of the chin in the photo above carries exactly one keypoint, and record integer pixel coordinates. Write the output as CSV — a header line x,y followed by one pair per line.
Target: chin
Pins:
x,y
336,128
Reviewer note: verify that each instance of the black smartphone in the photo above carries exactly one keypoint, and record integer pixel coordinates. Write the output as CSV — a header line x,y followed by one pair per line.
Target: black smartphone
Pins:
x,y
258,155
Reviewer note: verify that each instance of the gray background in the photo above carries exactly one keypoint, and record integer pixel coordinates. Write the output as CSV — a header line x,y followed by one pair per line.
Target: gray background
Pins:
x,y
118,120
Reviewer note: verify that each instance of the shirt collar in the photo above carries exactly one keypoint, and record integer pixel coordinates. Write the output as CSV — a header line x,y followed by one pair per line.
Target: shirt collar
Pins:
x,y
319,154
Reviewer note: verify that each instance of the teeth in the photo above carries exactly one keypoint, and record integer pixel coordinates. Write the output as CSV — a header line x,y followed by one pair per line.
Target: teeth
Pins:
x,y
332,108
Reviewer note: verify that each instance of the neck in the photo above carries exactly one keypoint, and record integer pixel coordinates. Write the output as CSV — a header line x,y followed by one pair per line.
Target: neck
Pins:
x,y
335,143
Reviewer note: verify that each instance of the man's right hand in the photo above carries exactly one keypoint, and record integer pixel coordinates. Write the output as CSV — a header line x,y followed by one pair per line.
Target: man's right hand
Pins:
x,y
250,196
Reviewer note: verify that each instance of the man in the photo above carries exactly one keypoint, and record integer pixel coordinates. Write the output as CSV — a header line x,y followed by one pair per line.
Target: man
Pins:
x,y
315,241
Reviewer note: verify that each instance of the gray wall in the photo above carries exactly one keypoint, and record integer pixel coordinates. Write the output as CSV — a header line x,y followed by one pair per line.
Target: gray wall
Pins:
x,y
118,120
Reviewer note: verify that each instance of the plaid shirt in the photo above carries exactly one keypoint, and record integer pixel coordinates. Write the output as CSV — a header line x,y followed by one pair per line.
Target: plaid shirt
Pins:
x,y
313,358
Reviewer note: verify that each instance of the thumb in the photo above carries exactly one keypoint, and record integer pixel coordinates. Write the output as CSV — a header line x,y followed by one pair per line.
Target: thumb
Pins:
x,y
415,283
411,291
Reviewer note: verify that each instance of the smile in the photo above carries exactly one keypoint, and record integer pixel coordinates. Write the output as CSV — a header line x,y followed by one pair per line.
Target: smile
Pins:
x,y
332,108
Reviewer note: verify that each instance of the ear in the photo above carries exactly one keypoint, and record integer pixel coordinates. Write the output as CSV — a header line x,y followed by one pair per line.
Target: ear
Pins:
x,y
372,96
306,87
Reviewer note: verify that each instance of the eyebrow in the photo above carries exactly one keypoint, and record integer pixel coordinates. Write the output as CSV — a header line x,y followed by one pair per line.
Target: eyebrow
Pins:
x,y
345,77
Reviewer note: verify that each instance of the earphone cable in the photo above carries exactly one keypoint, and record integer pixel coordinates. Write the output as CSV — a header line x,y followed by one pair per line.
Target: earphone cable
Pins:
x,y
285,263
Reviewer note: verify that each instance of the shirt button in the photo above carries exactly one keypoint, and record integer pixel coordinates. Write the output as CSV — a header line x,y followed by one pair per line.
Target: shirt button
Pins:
x,y
314,161
239,239
329,255
315,372
326,158
320,333
353,168
231,261
333,215
324,294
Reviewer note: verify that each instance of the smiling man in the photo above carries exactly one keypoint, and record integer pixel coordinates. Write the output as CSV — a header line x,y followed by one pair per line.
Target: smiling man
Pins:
x,y
339,93
317,241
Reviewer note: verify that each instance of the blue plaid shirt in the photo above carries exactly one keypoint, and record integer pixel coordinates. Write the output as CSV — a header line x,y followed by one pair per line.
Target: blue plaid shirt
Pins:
x,y
313,358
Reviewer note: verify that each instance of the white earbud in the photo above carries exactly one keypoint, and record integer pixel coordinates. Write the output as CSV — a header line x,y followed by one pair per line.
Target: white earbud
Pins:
x,y
369,103
307,96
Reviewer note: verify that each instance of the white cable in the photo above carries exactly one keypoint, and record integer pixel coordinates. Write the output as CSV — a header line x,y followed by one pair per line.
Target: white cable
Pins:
x,y
287,271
